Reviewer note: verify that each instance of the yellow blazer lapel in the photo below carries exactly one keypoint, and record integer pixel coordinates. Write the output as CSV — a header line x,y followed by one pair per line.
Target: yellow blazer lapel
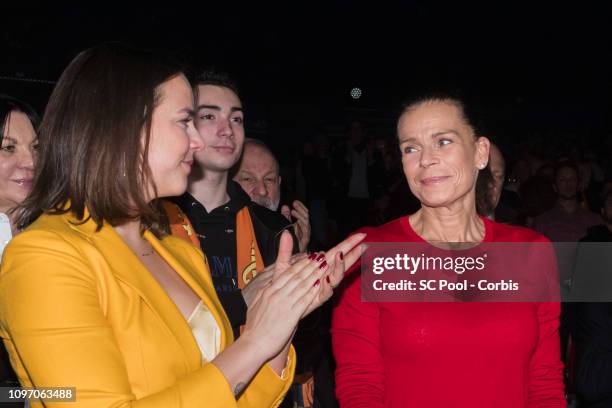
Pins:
x,y
126,267
197,275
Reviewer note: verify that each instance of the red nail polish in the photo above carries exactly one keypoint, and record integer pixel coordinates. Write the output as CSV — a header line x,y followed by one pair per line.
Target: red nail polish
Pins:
x,y
317,282
327,279
312,256
320,257
323,265
341,256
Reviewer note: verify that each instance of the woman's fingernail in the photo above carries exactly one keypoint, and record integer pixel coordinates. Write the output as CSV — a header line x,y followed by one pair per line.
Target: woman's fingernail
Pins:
x,y
323,265
320,257
312,256
327,279
341,256
317,282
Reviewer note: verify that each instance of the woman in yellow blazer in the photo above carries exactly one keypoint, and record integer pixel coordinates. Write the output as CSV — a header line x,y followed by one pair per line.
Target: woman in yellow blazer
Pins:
x,y
95,295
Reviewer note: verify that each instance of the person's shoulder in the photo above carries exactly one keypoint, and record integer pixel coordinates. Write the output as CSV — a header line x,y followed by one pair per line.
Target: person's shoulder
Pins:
x,y
52,226
591,217
58,235
514,233
392,231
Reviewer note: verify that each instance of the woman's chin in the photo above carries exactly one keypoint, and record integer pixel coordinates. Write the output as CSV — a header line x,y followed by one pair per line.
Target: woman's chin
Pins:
x,y
177,189
435,201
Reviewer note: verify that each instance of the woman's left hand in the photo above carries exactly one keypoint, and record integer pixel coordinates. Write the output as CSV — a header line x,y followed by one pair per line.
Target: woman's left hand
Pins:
x,y
263,279
338,259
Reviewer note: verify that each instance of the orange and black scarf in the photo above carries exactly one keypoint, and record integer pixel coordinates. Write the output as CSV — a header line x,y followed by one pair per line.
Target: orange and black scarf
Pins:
x,y
248,259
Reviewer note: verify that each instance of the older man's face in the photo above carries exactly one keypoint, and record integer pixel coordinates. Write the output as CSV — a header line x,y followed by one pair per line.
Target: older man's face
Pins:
x,y
258,176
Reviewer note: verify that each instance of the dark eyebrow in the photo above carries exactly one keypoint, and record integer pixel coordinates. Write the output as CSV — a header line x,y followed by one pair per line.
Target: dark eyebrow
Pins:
x,y
444,132
410,139
9,139
434,135
214,107
218,108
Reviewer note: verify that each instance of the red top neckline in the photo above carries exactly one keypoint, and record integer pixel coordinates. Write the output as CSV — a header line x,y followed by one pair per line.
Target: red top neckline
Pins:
x,y
405,223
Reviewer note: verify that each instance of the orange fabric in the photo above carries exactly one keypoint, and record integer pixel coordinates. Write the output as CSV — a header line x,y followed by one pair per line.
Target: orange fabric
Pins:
x,y
248,259
308,392
180,226
248,256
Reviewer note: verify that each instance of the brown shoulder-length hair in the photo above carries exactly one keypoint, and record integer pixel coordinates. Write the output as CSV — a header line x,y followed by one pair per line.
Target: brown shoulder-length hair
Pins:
x,y
95,135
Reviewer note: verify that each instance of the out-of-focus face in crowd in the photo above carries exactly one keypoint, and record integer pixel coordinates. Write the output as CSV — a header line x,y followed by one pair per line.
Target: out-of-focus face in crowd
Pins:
x,y
258,175
440,154
17,157
220,122
498,173
566,183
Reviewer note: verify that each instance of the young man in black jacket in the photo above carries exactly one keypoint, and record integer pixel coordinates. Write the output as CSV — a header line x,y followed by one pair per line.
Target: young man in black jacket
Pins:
x,y
237,235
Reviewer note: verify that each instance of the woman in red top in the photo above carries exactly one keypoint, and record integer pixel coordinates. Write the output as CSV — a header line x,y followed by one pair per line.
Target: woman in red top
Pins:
x,y
410,354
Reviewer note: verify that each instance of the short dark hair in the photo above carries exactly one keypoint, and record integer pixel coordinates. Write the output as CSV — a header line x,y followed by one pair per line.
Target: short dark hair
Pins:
x,y
212,76
91,134
9,104
455,97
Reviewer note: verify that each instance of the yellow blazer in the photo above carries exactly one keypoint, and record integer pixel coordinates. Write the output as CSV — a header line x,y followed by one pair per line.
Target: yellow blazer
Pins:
x,y
79,309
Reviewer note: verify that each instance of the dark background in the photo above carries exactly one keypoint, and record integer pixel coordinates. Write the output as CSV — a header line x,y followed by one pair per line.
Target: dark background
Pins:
x,y
537,71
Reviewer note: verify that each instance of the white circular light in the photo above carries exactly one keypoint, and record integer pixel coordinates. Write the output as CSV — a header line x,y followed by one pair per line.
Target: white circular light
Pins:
x,y
356,93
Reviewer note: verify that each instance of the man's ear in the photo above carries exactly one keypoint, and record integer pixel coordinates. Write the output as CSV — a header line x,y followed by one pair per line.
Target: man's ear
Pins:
x,y
280,179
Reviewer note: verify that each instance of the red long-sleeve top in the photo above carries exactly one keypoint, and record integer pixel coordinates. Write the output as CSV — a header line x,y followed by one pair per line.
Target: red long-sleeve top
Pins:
x,y
445,354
